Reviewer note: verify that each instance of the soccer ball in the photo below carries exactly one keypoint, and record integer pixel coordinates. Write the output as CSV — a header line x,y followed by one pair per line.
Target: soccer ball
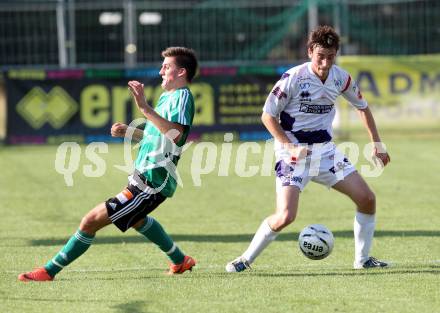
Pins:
x,y
316,241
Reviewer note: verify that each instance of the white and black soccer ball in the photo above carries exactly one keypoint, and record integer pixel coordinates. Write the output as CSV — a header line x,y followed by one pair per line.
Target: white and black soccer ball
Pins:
x,y
316,241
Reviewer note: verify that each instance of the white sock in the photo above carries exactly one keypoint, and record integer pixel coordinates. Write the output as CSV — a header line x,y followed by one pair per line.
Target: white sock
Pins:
x,y
262,238
364,225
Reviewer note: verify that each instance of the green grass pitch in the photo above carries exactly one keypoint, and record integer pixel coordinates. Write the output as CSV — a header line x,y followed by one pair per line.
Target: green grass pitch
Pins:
x,y
122,273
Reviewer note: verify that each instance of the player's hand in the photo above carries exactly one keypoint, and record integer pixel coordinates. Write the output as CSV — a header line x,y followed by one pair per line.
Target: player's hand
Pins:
x,y
118,130
137,90
297,152
380,154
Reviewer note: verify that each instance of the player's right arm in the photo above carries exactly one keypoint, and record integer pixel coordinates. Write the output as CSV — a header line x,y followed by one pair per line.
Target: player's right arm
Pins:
x,y
273,126
275,104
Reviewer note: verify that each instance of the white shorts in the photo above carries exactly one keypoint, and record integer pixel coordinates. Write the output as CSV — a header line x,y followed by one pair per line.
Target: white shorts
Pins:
x,y
326,166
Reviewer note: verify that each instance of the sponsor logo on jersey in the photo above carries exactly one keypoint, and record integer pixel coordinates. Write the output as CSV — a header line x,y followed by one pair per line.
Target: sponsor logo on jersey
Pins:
x,y
338,83
303,86
279,93
315,108
303,78
305,96
357,91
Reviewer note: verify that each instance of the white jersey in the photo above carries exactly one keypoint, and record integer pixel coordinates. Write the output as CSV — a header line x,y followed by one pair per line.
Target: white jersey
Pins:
x,y
305,105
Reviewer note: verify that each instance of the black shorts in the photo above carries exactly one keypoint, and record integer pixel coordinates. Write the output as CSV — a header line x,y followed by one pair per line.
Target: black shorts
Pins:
x,y
131,205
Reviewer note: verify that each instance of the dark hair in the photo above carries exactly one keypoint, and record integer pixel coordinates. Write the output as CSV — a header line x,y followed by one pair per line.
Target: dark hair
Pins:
x,y
185,57
323,36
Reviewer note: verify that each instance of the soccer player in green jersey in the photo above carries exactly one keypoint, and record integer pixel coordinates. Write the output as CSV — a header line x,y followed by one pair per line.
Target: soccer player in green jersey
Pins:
x,y
154,177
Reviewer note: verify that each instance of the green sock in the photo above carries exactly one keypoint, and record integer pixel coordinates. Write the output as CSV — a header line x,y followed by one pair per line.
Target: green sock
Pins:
x,y
75,247
156,234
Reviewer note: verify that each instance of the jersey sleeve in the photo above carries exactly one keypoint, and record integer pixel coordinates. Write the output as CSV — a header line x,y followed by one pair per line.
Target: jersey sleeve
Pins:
x,y
352,93
181,109
279,96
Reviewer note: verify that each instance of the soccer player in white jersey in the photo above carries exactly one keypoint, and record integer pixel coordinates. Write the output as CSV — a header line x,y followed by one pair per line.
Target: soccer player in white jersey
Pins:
x,y
299,113
167,125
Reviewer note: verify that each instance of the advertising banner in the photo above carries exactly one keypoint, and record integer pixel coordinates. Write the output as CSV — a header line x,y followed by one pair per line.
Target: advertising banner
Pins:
x,y
81,106
401,90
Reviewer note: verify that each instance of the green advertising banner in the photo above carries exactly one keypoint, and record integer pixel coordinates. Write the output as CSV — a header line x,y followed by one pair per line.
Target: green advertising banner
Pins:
x,y
77,105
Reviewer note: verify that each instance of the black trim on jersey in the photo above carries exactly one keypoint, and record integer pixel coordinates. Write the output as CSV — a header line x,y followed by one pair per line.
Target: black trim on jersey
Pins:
x,y
286,121
311,137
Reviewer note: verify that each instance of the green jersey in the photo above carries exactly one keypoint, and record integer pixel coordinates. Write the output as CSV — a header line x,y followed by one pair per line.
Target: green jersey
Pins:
x,y
158,156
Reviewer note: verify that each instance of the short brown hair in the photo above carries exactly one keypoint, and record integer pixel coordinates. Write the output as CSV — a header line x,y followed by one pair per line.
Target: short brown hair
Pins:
x,y
323,36
185,57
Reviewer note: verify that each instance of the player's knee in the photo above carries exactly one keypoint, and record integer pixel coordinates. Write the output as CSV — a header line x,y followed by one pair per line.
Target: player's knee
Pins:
x,y
368,203
138,225
284,219
89,224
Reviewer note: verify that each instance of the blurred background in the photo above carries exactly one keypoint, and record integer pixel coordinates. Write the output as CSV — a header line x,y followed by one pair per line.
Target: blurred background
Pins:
x,y
65,64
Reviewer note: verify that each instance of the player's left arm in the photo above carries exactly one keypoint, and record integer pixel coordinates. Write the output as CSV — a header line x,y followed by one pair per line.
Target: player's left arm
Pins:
x,y
172,130
352,93
370,124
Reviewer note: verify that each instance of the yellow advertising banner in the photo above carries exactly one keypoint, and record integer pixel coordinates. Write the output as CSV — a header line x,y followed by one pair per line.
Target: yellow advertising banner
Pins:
x,y
398,88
